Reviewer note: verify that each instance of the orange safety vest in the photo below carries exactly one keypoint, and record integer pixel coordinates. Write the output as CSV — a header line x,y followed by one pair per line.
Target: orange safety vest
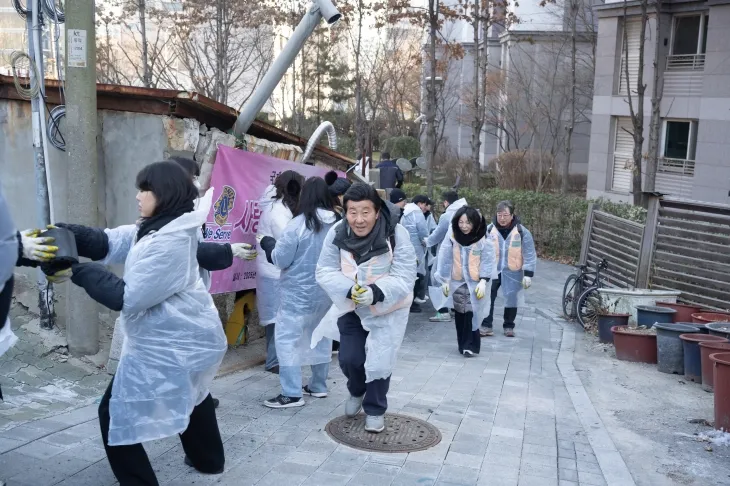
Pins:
x,y
514,248
473,264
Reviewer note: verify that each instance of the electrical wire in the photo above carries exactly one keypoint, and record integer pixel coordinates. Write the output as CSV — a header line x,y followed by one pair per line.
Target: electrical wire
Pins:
x,y
26,93
53,11
21,9
55,137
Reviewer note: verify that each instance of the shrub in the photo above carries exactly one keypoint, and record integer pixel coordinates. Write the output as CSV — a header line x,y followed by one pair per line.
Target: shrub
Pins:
x,y
406,147
555,221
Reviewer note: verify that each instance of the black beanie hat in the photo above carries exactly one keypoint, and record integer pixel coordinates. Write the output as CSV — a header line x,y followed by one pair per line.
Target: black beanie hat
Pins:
x,y
338,186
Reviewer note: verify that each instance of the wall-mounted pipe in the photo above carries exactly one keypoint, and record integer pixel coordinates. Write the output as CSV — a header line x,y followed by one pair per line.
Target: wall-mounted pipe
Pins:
x,y
318,10
331,137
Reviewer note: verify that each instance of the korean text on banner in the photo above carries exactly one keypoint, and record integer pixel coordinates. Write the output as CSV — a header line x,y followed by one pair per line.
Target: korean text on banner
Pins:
x,y
239,180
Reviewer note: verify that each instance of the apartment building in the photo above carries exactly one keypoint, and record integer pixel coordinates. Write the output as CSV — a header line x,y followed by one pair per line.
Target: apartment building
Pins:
x,y
694,77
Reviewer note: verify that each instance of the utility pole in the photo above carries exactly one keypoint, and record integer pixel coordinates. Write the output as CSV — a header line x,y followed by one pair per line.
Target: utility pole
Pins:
x,y
82,326
43,206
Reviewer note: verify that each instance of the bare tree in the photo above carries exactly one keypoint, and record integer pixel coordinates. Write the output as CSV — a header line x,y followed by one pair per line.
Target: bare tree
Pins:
x,y
224,47
636,105
657,91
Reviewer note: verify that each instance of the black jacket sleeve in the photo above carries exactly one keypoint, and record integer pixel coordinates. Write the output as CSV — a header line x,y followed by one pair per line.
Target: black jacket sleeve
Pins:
x,y
268,244
101,284
91,243
214,256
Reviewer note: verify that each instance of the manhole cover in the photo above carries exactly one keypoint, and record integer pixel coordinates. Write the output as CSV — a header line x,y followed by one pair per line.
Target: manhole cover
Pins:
x,y
401,434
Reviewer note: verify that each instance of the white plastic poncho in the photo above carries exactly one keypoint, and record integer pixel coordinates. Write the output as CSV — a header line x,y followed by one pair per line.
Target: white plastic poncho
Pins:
x,y
511,288
415,222
274,218
395,275
442,231
8,258
174,341
483,248
303,303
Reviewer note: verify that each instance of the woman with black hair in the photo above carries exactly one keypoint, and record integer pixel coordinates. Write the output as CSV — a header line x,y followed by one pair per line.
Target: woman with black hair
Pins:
x,y
368,268
277,205
174,341
338,186
465,266
303,303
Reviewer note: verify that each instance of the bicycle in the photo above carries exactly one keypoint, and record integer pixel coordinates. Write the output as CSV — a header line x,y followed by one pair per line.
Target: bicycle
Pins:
x,y
575,286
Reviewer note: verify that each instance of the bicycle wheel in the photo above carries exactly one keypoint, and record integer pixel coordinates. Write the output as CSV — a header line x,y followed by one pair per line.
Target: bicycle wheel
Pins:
x,y
571,291
588,307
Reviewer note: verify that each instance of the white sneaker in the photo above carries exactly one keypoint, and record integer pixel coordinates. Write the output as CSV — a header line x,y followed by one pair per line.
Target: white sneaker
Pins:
x,y
469,354
353,405
375,423
441,317
420,301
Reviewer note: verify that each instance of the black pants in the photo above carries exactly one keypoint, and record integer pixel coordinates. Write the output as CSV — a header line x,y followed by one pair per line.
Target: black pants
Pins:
x,y
201,442
421,287
510,313
352,363
465,337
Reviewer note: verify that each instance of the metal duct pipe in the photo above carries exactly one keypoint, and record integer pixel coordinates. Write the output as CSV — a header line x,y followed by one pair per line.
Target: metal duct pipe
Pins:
x,y
320,9
331,137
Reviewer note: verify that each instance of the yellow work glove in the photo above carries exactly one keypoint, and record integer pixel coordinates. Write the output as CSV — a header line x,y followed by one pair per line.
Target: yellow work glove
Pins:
x,y
481,290
243,251
445,289
60,277
36,247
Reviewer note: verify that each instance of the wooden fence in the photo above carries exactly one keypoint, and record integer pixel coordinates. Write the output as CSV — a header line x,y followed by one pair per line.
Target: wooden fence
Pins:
x,y
617,240
684,245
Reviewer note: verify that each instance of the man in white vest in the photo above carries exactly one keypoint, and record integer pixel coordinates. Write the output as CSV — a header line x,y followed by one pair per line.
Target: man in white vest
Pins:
x,y
516,262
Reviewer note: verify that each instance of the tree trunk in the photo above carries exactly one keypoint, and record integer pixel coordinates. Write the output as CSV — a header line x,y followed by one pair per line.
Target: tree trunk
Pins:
x,y
146,71
476,126
656,98
639,122
359,142
565,176
433,11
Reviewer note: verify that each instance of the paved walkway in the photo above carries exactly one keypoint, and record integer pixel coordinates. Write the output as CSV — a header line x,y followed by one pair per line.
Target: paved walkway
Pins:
x,y
515,415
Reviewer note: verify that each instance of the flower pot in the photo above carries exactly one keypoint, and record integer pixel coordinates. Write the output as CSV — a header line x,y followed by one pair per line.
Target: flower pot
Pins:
x,y
721,362
691,348
605,323
648,315
65,241
626,300
708,317
684,311
670,352
721,329
639,348
706,349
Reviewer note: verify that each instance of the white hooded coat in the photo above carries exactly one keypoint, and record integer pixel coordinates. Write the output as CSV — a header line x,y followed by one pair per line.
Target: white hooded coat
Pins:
x,y
415,222
394,273
304,303
173,338
442,231
484,248
8,258
274,218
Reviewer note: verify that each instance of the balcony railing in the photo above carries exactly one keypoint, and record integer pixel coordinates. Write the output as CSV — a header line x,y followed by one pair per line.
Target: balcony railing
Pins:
x,y
686,62
676,166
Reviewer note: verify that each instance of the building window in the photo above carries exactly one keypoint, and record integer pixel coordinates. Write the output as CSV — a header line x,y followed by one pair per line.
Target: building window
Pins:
x,y
678,147
689,43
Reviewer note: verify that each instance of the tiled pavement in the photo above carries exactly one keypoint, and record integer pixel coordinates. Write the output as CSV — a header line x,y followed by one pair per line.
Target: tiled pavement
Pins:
x,y
507,417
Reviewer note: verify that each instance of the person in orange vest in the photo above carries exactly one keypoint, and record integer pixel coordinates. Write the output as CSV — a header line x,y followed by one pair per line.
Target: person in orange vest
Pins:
x,y
516,262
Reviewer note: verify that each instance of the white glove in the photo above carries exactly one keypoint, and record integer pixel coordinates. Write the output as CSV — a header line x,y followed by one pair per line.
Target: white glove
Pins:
x,y
362,295
36,247
60,277
481,290
244,251
425,242
526,282
445,289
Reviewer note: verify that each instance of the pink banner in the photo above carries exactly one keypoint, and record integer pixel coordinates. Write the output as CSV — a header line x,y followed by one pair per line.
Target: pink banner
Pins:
x,y
239,180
